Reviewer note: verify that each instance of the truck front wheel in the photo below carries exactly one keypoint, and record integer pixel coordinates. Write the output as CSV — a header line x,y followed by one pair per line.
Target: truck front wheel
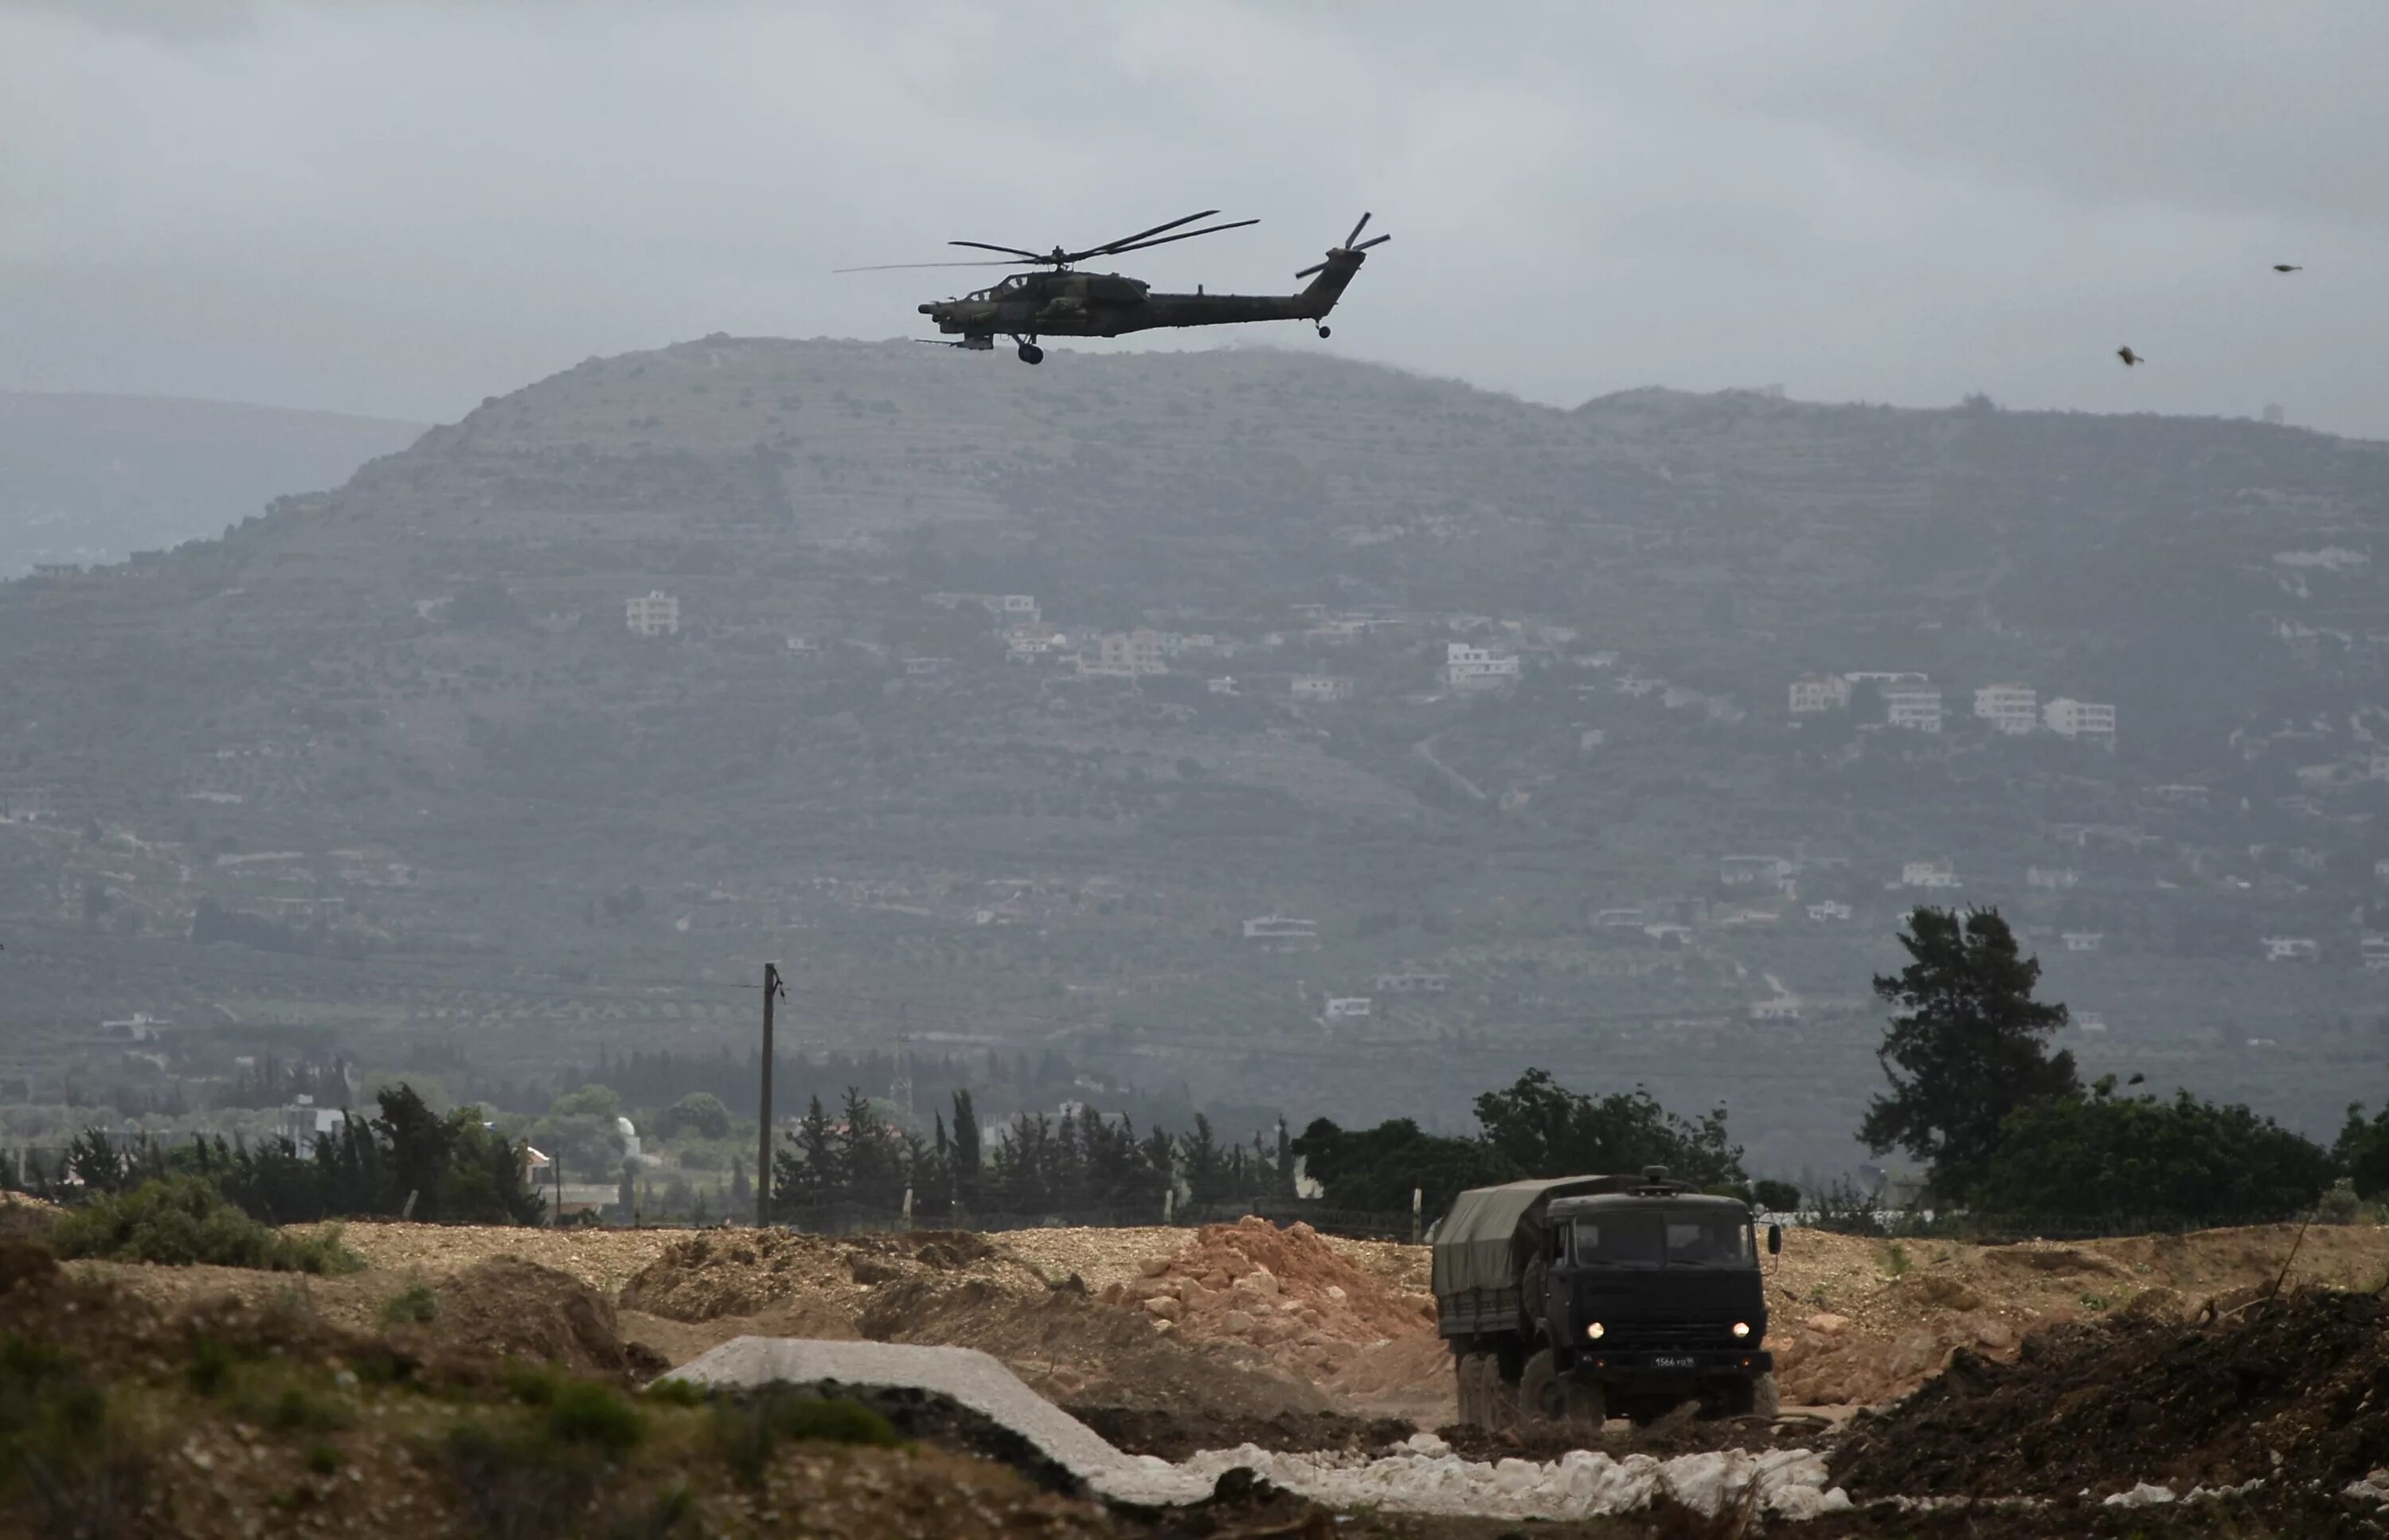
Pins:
x,y
1755,1398
1542,1398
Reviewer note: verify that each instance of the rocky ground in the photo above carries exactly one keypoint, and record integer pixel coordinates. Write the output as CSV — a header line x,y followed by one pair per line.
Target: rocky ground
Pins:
x,y
1853,1321
2074,1374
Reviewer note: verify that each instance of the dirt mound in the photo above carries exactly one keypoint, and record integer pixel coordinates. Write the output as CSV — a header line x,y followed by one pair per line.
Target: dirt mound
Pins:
x,y
1068,1348
1285,1292
2293,1390
1174,1435
504,1308
712,1275
25,1217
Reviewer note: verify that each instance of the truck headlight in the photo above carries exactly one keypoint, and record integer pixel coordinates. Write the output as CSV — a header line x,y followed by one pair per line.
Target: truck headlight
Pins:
x,y
1741,1329
1594,1330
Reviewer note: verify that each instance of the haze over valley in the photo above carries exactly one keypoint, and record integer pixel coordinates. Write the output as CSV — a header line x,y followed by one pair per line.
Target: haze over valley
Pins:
x,y
1217,722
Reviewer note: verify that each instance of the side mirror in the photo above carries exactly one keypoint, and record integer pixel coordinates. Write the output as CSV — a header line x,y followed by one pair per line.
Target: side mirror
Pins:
x,y
1774,1240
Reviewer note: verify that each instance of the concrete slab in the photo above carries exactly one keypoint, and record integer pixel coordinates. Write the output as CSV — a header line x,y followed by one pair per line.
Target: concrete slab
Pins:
x,y
970,1378
1421,1475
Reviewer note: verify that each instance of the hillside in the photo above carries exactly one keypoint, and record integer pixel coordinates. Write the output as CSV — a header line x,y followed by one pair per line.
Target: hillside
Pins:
x,y
88,479
394,746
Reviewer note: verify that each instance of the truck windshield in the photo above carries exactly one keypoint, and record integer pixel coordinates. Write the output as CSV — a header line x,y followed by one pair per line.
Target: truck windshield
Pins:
x,y
1693,1239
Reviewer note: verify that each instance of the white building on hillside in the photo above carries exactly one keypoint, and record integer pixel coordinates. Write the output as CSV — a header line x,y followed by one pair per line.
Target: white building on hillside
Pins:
x,y
2009,707
656,615
1279,932
1128,655
1941,873
2082,941
1812,693
1322,687
1916,708
1467,668
2072,719
2290,948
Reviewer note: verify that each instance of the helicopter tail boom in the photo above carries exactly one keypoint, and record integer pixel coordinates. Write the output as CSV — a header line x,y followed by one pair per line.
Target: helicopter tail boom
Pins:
x,y
1320,296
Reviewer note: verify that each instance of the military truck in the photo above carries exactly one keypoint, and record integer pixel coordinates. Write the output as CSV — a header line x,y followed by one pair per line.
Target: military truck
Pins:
x,y
1581,1298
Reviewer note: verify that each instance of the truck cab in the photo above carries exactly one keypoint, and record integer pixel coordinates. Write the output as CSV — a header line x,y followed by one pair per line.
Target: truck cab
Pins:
x,y
1651,1291
1579,1298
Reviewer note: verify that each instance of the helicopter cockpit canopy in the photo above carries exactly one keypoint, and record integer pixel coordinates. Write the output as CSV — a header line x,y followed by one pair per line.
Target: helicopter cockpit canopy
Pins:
x,y
1096,288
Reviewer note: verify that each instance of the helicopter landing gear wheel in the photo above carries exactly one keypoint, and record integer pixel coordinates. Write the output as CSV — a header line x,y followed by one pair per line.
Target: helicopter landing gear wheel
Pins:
x,y
1322,330
1031,353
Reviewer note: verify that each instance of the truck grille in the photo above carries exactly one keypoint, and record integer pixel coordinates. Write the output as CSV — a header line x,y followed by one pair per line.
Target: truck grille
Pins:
x,y
1635,1336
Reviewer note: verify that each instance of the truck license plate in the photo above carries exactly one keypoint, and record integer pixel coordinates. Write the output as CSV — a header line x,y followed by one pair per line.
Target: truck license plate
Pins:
x,y
1673,1360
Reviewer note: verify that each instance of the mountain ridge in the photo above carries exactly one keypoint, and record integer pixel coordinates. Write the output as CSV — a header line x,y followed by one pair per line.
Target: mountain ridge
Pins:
x,y
428,669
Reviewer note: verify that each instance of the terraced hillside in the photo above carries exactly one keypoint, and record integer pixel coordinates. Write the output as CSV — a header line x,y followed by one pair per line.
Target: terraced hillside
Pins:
x,y
394,747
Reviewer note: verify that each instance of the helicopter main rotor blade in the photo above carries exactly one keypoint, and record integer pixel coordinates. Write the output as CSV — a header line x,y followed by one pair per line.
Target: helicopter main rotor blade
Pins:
x,y
1126,240
1141,245
1009,251
893,267
1355,232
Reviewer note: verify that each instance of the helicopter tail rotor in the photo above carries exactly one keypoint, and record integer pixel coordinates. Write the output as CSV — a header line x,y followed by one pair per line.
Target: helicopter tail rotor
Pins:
x,y
1352,247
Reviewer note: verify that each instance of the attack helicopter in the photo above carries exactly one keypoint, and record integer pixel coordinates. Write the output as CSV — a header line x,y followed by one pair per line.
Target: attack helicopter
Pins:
x,y
1061,301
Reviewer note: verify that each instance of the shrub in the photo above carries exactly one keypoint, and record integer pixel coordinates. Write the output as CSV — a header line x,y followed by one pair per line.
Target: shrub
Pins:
x,y
676,1392
532,1384
211,1364
68,1459
181,1220
2340,1205
414,1304
747,1431
587,1412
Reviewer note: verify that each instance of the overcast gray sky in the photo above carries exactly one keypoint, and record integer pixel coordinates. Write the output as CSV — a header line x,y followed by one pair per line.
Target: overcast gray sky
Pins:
x,y
400,207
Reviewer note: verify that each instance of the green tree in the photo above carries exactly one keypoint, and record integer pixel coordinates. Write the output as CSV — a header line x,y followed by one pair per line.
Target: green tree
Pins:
x,y
1374,1170
2156,1162
699,1112
1965,1048
868,1154
1544,1129
966,1146
2362,1151
588,1101
805,1171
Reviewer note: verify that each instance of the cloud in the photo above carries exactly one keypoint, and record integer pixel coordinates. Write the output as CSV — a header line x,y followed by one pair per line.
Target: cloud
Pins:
x,y
404,208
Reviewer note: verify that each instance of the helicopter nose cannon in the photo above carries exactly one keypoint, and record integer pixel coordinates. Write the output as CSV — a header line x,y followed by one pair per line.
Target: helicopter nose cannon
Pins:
x,y
929,308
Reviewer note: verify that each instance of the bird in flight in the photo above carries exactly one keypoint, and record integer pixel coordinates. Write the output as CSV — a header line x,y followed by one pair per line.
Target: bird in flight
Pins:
x,y
2287,267
2129,357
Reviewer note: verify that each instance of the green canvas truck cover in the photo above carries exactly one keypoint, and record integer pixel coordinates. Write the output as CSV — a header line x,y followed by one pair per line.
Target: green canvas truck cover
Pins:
x,y
1472,1246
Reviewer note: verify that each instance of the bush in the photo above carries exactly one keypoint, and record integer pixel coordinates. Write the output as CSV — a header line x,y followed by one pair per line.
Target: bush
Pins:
x,y
587,1412
179,1221
699,1112
414,1304
2340,1205
746,1432
2158,1162
69,1461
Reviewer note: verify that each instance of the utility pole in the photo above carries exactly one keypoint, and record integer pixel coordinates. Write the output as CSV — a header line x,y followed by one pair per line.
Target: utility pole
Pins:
x,y
771,991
